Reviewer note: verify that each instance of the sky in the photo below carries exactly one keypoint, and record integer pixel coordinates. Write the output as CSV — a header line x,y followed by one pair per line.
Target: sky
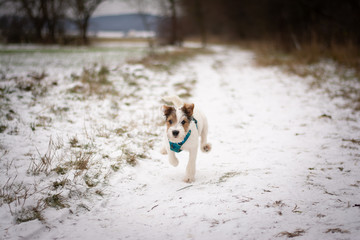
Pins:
x,y
112,7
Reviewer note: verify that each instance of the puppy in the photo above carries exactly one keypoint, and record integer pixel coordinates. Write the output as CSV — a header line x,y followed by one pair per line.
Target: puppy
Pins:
x,y
184,125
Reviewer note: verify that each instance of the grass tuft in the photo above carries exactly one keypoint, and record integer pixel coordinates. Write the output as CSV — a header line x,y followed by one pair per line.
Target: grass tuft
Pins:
x,y
43,163
296,233
94,81
336,230
28,214
55,201
59,184
60,170
3,128
228,175
74,142
82,160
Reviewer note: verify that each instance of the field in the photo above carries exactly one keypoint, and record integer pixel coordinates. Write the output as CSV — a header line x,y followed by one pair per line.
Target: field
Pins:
x,y
81,130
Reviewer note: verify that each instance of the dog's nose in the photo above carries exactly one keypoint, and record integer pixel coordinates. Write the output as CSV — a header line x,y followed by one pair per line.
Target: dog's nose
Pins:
x,y
175,133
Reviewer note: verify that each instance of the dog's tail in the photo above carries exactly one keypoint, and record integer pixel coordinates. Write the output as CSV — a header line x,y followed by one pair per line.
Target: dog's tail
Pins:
x,y
175,100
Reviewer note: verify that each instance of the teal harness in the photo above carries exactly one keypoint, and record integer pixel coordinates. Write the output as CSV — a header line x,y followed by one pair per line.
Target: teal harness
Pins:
x,y
176,147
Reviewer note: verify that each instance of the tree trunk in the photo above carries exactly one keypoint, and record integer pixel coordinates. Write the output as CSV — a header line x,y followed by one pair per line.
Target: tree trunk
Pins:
x,y
201,21
84,28
174,25
38,20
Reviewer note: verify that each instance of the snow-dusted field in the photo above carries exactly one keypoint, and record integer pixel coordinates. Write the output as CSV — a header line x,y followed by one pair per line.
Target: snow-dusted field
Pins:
x,y
80,158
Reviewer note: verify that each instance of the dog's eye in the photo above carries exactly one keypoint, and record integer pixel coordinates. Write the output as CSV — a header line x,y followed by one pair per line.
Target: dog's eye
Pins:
x,y
170,121
183,122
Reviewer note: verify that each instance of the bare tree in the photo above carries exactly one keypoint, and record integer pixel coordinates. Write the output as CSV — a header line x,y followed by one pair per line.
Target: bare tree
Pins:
x,y
81,13
34,10
44,16
169,26
174,37
199,13
54,12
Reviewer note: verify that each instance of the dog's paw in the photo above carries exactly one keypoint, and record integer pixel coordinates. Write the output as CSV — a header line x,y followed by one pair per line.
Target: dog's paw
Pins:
x,y
206,147
189,179
174,161
163,151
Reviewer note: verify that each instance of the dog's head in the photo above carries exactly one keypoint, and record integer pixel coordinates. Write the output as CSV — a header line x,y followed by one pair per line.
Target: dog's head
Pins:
x,y
178,121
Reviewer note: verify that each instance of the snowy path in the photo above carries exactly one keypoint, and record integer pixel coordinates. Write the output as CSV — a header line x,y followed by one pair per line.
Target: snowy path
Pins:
x,y
277,167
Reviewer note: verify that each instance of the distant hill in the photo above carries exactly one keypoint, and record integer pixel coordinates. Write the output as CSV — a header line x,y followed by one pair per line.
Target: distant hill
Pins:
x,y
123,22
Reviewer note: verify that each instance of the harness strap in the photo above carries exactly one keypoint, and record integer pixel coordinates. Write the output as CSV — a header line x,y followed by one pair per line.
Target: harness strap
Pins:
x,y
195,122
176,147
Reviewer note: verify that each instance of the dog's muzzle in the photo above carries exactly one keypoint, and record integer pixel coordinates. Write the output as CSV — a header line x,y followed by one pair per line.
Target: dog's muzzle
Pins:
x,y
176,147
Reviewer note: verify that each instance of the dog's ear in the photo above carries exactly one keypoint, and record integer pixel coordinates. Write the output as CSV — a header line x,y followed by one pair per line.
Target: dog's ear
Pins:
x,y
167,110
188,109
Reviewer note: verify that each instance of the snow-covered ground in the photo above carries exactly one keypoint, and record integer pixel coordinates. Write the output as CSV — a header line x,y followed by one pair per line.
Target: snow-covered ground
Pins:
x,y
285,158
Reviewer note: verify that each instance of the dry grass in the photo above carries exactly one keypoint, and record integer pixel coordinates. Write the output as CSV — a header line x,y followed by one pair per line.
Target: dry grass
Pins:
x,y
34,82
336,230
12,191
306,61
312,61
29,213
43,163
55,201
272,54
228,175
296,233
94,81
165,61
97,40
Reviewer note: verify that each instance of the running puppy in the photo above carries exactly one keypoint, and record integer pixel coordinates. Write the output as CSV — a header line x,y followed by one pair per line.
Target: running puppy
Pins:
x,y
184,125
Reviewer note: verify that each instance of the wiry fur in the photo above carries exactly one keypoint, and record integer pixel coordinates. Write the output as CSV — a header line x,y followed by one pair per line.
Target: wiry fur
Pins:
x,y
178,120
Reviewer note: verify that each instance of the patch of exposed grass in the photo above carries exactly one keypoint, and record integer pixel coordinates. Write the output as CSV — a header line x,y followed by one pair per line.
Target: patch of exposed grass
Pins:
x,y
296,233
100,193
115,167
60,170
43,121
165,61
59,110
121,131
28,214
37,76
312,61
91,181
59,184
94,81
355,141
33,83
13,191
228,175
336,230
43,163
71,50
74,142
82,160
130,158
55,201
3,128
271,54
185,88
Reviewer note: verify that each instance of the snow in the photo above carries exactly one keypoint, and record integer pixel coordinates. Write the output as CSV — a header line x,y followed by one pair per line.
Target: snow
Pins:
x,y
282,158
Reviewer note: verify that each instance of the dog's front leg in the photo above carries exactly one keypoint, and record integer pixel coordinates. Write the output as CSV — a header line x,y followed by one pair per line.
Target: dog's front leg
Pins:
x,y
172,158
191,166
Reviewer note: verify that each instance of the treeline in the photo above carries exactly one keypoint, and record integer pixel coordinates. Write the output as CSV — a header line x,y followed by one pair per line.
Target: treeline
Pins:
x,y
289,23
44,20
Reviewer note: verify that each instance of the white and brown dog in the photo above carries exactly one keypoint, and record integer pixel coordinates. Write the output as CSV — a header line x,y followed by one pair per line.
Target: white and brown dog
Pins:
x,y
184,125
